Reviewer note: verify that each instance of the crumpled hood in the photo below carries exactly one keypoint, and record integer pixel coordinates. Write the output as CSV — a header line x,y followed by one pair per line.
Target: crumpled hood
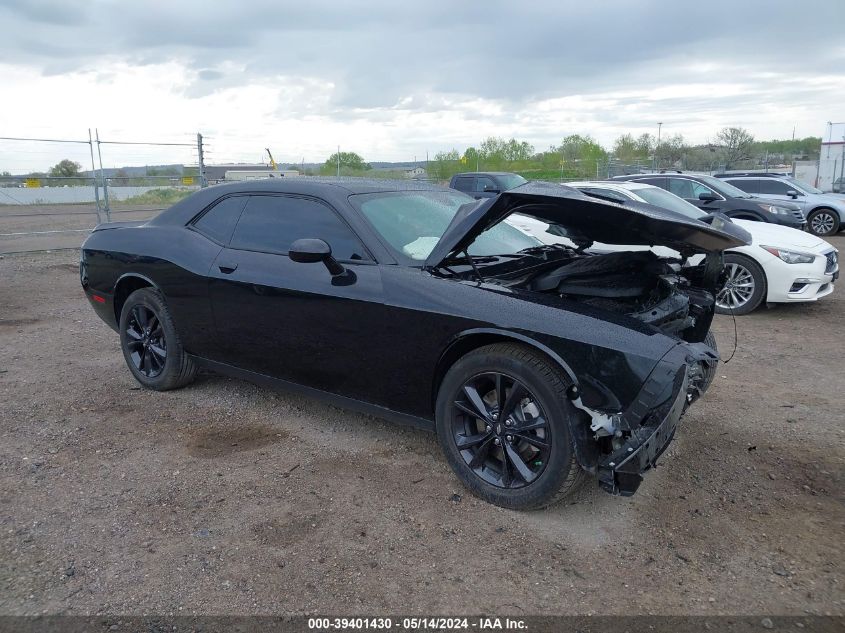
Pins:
x,y
587,217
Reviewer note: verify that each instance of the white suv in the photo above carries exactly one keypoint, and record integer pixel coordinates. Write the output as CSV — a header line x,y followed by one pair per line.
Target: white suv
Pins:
x,y
825,212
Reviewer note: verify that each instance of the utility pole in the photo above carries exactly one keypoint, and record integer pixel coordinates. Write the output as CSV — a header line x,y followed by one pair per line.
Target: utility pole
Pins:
x,y
338,161
841,168
657,147
103,178
201,162
94,176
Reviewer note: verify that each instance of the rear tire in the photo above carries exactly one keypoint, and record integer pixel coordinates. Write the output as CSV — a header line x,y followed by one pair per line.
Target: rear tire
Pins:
x,y
150,343
741,299
823,222
524,459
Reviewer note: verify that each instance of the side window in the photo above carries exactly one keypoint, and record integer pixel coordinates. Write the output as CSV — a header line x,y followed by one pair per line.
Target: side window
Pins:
x,y
219,221
681,187
748,186
483,183
657,182
772,186
698,189
464,183
270,224
607,193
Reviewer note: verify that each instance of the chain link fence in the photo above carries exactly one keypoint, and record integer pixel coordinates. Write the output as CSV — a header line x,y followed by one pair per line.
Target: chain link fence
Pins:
x,y
48,203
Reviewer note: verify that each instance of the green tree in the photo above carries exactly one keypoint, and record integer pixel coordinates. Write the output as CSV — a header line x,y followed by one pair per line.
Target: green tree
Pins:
x,y
65,169
445,165
350,163
580,155
671,151
736,145
627,149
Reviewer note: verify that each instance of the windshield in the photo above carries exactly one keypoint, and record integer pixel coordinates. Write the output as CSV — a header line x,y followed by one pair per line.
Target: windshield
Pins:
x,y
802,186
662,198
509,181
725,188
412,222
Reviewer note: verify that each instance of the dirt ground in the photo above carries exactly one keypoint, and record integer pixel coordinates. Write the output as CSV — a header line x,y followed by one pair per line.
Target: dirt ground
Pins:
x,y
224,498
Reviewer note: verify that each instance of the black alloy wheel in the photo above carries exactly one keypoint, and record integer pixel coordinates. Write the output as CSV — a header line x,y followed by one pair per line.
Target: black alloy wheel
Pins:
x,y
501,431
150,342
503,421
145,341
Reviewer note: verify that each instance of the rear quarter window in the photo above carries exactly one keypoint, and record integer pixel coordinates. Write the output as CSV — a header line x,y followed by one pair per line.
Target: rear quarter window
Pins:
x,y
218,222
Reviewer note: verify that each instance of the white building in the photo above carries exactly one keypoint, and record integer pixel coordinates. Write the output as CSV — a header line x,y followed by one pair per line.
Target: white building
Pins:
x,y
832,157
259,174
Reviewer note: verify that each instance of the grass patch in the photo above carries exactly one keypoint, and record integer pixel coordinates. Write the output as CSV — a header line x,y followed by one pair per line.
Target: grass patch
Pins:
x,y
159,196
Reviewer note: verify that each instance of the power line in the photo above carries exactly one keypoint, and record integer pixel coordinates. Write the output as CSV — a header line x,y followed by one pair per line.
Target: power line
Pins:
x,y
42,140
144,143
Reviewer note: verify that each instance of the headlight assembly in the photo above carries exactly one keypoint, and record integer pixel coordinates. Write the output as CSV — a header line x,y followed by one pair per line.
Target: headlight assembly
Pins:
x,y
791,257
773,208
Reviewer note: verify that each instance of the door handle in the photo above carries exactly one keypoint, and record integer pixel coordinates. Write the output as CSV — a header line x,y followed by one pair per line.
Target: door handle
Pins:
x,y
228,268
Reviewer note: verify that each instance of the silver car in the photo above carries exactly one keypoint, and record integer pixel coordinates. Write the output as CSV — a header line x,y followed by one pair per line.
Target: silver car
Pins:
x,y
825,213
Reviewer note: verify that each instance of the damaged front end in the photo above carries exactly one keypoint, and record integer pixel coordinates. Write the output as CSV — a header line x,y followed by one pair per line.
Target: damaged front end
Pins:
x,y
677,300
639,292
628,443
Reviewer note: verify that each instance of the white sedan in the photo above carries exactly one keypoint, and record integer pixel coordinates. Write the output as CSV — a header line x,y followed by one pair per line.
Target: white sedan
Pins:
x,y
781,265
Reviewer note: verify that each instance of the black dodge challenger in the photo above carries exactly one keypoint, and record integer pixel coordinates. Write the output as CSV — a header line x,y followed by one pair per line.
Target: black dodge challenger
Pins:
x,y
535,364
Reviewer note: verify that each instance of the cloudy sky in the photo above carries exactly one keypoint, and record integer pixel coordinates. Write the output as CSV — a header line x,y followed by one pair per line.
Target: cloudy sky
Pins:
x,y
393,80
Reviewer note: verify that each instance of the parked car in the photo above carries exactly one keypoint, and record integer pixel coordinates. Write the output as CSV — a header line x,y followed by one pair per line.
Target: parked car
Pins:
x,y
534,364
825,212
487,184
711,195
781,265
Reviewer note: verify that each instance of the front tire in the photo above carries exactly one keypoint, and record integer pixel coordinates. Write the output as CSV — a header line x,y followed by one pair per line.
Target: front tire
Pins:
x,y
745,287
503,423
150,343
823,222
708,369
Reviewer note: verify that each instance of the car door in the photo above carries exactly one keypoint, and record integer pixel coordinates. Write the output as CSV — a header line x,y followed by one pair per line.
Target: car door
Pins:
x,y
465,184
485,187
295,321
772,189
689,190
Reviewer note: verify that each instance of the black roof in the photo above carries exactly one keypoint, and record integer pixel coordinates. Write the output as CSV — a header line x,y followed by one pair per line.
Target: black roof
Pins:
x,y
335,191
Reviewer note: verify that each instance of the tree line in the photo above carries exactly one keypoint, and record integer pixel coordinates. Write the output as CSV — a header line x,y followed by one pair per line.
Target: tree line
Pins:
x,y
581,156
575,157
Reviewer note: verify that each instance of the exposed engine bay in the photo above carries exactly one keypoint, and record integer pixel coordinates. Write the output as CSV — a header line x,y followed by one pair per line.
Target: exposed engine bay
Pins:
x,y
639,284
660,291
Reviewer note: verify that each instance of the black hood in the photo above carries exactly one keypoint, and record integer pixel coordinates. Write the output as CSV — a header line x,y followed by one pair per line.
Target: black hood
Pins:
x,y
587,219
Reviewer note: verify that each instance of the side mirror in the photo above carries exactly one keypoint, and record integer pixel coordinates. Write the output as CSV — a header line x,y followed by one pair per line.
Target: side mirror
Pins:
x,y
313,250
792,193
707,197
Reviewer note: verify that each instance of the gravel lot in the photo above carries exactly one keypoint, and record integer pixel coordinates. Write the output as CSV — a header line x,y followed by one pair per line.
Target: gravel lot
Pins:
x,y
224,498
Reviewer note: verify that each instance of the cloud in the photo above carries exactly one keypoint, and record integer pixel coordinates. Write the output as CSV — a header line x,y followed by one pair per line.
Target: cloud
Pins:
x,y
457,70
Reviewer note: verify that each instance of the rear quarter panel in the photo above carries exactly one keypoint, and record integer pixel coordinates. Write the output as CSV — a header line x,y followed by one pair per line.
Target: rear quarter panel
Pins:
x,y
175,260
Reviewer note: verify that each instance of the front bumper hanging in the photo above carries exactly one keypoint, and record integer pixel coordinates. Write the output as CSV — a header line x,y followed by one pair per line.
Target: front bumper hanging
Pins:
x,y
651,422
